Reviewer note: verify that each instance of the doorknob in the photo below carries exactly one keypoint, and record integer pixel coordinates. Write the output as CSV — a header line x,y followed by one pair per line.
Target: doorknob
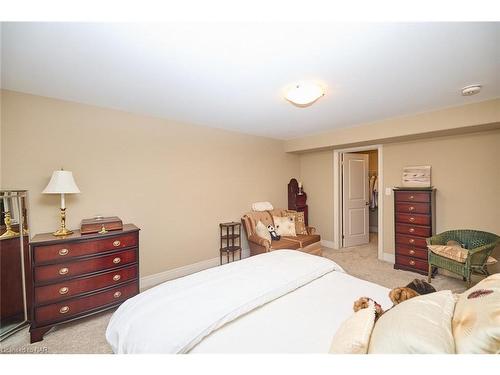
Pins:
x,y
367,203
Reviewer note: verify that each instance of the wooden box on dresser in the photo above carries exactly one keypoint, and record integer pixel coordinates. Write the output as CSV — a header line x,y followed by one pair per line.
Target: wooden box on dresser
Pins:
x,y
79,275
414,220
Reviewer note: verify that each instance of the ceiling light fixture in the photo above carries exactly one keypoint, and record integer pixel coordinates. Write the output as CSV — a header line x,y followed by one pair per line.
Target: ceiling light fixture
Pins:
x,y
303,94
471,90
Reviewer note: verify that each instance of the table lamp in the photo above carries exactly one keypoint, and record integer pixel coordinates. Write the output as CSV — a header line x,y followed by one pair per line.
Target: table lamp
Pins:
x,y
62,182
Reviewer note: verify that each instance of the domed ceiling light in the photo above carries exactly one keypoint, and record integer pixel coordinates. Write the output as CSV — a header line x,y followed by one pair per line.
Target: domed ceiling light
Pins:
x,y
303,94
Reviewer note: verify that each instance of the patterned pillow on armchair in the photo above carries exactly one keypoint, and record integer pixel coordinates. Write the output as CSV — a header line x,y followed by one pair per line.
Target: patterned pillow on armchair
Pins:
x,y
300,223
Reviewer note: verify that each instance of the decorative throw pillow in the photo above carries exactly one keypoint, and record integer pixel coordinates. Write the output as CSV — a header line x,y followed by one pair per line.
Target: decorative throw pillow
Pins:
x,y
284,225
455,252
421,325
262,232
300,222
353,336
476,322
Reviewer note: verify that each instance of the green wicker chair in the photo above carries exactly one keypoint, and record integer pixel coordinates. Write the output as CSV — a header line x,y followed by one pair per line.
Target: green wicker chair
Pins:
x,y
479,244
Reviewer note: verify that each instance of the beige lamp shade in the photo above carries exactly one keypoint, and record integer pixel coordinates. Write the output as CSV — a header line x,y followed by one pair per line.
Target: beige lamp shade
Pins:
x,y
61,182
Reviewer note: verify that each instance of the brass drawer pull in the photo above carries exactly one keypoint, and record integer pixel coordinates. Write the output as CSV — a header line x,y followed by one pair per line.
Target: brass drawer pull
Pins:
x,y
117,260
116,243
63,252
64,290
411,230
411,240
411,208
412,262
63,271
117,294
412,252
116,277
412,219
412,197
64,309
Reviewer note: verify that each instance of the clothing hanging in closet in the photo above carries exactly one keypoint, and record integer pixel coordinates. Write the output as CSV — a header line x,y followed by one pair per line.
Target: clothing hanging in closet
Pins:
x,y
373,192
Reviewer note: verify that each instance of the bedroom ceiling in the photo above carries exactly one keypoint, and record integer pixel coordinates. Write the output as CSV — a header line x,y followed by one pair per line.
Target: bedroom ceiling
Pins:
x,y
232,76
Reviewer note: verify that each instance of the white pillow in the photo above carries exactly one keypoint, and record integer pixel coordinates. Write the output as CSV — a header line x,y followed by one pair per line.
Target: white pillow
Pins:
x,y
353,336
262,232
285,225
420,325
476,322
262,206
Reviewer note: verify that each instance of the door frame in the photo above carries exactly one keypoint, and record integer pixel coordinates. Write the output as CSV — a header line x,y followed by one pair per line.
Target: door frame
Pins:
x,y
337,196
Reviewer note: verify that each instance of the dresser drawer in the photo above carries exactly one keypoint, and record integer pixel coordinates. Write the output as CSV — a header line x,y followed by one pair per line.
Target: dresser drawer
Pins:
x,y
412,262
411,251
74,287
413,219
66,309
410,240
63,252
413,208
410,196
58,272
414,230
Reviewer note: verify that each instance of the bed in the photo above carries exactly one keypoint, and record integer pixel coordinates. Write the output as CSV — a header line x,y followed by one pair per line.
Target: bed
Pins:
x,y
284,301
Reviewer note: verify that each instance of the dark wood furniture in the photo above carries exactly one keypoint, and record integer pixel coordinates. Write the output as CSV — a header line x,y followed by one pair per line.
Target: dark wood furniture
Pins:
x,y
14,262
100,224
11,280
414,220
80,275
297,199
230,239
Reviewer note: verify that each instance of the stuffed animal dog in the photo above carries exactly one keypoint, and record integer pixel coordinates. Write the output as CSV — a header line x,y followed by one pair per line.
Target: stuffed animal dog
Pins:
x,y
397,295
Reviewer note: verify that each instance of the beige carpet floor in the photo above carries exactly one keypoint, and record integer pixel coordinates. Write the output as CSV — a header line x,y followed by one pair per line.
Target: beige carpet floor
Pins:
x,y
362,262
87,335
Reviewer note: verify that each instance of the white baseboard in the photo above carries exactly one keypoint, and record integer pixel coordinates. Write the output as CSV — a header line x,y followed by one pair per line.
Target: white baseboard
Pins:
x,y
158,278
391,258
327,243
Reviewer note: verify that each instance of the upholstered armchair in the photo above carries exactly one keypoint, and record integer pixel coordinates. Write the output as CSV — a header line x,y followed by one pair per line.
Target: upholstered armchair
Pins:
x,y
475,259
309,243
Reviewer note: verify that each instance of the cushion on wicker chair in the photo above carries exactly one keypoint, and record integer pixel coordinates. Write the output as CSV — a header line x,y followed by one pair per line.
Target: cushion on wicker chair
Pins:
x,y
455,252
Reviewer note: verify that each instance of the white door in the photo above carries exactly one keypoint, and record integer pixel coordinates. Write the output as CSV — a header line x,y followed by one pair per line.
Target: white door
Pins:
x,y
355,199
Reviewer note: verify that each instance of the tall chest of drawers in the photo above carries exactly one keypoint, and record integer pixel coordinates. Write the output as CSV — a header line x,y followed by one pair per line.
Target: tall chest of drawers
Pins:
x,y
80,275
414,219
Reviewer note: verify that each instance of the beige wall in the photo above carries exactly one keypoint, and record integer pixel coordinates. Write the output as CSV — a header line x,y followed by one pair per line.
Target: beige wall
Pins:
x,y
466,118
316,174
465,171
176,182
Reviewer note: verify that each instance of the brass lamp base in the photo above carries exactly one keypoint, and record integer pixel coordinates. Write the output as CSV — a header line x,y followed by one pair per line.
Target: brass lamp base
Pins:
x,y
62,232
8,229
9,233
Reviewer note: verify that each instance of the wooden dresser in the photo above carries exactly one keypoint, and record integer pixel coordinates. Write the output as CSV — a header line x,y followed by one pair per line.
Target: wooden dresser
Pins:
x,y
80,275
414,222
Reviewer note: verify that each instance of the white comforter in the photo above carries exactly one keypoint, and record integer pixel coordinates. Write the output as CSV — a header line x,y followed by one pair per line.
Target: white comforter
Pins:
x,y
304,321
175,316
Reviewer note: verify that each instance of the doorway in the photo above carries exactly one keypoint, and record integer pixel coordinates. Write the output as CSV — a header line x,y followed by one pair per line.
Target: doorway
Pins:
x,y
358,176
